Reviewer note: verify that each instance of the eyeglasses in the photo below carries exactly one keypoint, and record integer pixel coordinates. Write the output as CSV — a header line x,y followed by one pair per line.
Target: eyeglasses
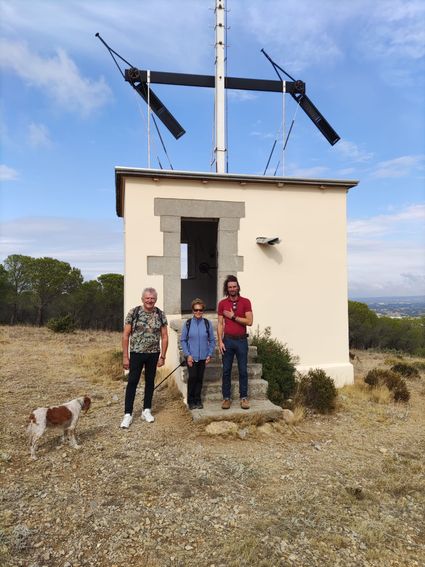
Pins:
x,y
198,310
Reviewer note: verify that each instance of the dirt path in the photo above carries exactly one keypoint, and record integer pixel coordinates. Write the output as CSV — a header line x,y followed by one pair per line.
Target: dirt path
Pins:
x,y
346,490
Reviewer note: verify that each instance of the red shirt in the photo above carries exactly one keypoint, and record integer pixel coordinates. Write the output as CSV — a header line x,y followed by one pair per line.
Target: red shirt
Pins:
x,y
240,307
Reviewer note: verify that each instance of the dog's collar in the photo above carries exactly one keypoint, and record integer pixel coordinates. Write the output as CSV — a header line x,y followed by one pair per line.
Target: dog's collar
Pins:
x,y
80,402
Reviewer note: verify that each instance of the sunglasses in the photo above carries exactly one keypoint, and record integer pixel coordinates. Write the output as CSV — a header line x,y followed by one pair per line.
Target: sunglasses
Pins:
x,y
198,310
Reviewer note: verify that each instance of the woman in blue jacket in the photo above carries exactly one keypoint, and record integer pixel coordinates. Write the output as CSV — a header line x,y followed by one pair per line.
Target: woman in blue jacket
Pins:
x,y
198,345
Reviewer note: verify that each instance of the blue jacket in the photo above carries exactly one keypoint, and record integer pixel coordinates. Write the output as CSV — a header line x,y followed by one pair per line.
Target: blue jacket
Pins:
x,y
197,344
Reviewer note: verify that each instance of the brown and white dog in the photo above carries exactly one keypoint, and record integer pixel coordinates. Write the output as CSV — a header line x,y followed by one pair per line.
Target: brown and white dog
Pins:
x,y
65,416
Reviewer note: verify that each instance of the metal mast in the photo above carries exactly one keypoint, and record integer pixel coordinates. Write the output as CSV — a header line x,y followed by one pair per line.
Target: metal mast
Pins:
x,y
220,149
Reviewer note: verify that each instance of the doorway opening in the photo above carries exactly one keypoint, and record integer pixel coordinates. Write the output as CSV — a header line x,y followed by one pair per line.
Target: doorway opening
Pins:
x,y
198,256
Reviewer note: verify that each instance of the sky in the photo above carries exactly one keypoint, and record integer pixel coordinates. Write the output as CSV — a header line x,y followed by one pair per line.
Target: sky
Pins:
x,y
67,118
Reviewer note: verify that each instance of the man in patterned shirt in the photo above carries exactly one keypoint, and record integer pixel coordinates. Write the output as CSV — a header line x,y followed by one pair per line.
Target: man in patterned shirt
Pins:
x,y
145,328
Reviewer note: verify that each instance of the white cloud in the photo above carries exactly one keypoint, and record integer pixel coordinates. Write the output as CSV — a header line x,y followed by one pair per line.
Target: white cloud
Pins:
x,y
304,34
398,30
241,96
179,38
263,135
381,268
314,172
415,279
352,151
8,173
38,136
289,28
385,224
399,167
386,253
95,247
345,171
58,76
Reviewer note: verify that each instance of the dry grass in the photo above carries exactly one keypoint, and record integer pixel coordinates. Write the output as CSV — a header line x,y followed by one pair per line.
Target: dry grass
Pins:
x,y
300,413
101,365
346,489
361,392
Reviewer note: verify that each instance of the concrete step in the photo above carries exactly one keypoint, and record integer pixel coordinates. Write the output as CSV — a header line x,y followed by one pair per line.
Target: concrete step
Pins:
x,y
259,412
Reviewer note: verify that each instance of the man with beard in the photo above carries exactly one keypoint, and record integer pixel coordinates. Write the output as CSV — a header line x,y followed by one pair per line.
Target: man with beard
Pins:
x,y
234,315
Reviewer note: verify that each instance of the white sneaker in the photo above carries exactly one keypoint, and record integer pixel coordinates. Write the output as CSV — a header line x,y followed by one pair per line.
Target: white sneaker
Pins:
x,y
147,416
127,421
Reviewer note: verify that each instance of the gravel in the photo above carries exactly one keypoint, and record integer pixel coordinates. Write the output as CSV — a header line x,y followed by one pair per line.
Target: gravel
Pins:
x,y
344,490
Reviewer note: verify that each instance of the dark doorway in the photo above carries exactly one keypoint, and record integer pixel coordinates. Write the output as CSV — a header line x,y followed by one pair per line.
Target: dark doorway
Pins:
x,y
198,250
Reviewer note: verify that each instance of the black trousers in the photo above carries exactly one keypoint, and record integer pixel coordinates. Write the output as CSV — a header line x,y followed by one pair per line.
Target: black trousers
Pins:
x,y
138,360
194,383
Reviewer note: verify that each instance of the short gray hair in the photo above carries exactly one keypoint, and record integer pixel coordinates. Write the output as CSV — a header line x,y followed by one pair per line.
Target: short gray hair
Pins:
x,y
150,290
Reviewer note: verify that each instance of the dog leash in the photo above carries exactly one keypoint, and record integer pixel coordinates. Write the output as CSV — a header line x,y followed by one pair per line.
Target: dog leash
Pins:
x,y
182,363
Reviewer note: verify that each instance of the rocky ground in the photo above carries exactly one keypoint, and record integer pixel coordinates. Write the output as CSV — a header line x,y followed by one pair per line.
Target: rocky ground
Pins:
x,y
346,489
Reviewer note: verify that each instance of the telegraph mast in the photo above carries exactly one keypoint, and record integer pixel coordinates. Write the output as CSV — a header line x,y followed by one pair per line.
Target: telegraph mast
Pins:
x,y
220,149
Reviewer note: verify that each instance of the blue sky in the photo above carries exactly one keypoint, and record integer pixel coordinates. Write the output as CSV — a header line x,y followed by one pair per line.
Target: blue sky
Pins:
x,y
68,118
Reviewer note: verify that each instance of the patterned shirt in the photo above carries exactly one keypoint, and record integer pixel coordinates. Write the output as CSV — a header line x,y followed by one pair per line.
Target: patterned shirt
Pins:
x,y
146,329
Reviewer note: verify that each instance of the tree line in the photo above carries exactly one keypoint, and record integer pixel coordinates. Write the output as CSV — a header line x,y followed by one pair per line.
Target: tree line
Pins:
x,y
367,330
34,290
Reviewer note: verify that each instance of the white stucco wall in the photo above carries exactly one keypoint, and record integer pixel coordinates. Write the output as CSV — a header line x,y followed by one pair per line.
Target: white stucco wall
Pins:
x,y
298,287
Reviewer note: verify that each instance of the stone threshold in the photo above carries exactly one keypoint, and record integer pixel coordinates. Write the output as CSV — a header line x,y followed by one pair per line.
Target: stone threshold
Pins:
x,y
260,411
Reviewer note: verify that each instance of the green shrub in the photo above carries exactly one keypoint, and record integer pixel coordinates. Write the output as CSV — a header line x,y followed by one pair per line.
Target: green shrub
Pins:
x,y
401,392
278,366
64,324
377,377
406,370
393,381
419,364
316,390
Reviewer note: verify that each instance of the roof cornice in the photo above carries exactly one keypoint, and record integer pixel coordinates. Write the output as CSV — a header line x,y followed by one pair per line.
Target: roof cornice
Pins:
x,y
157,174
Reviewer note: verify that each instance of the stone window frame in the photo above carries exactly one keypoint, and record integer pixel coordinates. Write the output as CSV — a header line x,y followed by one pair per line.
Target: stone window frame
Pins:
x,y
171,213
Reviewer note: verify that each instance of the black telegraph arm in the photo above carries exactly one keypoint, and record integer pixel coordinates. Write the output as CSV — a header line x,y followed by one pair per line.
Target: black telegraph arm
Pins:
x,y
158,108
140,77
306,104
134,75
140,80
149,97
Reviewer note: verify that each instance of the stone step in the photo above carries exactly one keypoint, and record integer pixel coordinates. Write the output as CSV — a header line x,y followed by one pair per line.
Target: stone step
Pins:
x,y
257,389
216,358
252,355
259,412
213,372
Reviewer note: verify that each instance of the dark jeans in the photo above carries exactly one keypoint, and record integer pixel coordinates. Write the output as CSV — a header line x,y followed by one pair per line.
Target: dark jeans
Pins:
x,y
137,361
238,347
194,383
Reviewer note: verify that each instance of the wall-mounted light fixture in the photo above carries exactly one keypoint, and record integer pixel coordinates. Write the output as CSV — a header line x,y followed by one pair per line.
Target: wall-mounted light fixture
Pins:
x,y
268,240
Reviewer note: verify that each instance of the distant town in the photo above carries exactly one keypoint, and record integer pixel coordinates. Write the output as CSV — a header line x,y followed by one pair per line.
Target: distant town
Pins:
x,y
395,307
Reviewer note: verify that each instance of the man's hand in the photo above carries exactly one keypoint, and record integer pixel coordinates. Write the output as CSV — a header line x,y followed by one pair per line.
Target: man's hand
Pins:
x,y
161,362
228,314
221,347
125,362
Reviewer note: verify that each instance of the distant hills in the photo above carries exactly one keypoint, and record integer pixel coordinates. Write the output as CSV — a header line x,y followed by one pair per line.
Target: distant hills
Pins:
x,y
395,306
